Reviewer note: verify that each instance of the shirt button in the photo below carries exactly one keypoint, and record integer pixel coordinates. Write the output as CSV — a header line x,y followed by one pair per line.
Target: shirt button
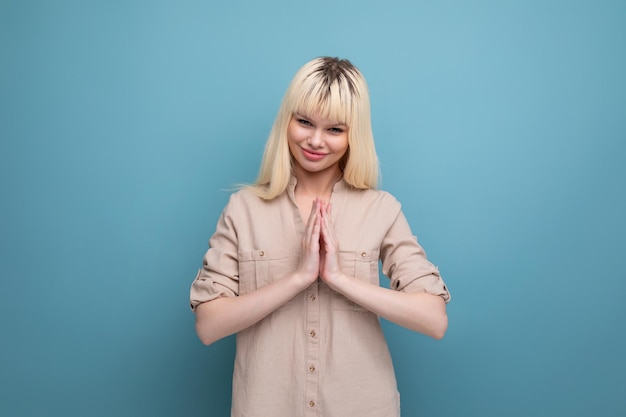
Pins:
x,y
363,254
261,253
312,333
312,368
312,297
311,404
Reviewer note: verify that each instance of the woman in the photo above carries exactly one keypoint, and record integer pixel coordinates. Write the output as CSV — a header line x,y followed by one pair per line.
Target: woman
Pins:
x,y
293,265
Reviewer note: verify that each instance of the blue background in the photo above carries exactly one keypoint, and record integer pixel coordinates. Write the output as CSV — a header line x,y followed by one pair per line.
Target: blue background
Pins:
x,y
500,126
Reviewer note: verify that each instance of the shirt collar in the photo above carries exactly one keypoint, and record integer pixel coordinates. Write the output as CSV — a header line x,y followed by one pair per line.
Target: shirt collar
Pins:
x,y
291,187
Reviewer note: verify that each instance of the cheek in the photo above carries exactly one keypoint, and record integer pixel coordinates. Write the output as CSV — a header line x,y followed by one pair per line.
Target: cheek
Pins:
x,y
343,146
293,133
290,135
290,146
292,142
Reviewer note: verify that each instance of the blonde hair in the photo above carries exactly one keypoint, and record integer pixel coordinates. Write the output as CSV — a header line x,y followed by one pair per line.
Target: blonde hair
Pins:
x,y
334,89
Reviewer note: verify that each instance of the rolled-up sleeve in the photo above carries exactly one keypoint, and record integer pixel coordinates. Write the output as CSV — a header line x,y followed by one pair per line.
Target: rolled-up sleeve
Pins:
x,y
219,275
405,262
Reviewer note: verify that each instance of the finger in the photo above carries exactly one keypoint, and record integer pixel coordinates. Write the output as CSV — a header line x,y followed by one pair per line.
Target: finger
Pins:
x,y
327,234
329,237
316,232
327,212
313,233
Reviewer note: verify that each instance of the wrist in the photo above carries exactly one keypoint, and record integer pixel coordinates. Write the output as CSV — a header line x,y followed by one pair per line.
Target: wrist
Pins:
x,y
302,280
337,282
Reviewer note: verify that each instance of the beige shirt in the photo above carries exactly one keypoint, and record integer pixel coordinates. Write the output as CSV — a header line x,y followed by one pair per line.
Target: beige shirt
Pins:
x,y
320,354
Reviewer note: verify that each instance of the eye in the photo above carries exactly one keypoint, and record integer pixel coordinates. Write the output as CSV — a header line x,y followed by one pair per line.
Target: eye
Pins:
x,y
304,122
336,130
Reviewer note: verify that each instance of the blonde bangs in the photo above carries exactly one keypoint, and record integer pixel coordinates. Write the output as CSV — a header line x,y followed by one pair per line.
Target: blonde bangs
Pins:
x,y
333,102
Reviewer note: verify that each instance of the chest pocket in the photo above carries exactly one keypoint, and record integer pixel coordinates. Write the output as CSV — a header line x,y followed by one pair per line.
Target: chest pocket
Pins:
x,y
362,265
258,268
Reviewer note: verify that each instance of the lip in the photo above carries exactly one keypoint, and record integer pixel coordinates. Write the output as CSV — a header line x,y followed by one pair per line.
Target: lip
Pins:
x,y
312,155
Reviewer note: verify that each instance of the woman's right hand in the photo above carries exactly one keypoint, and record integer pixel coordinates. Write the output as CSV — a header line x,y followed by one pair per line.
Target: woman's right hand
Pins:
x,y
309,267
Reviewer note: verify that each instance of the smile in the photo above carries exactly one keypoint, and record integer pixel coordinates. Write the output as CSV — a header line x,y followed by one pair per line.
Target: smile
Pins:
x,y
312,155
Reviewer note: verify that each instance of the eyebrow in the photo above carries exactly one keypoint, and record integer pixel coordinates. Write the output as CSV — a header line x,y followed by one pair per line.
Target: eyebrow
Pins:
x,y
333,123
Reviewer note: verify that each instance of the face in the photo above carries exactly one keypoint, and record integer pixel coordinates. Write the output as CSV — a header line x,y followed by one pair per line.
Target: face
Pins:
x,y
317,144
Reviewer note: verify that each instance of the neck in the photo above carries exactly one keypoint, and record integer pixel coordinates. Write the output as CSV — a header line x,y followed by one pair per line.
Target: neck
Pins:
x,y
318,184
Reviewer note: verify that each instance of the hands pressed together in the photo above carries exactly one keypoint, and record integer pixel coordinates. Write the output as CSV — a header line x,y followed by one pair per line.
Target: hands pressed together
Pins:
x,y
320,249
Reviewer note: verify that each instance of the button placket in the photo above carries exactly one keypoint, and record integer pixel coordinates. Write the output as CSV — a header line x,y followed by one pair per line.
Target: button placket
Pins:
x,y
312,350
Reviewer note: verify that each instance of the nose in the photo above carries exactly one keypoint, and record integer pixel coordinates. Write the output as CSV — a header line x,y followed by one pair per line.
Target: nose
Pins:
x,y
316,139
